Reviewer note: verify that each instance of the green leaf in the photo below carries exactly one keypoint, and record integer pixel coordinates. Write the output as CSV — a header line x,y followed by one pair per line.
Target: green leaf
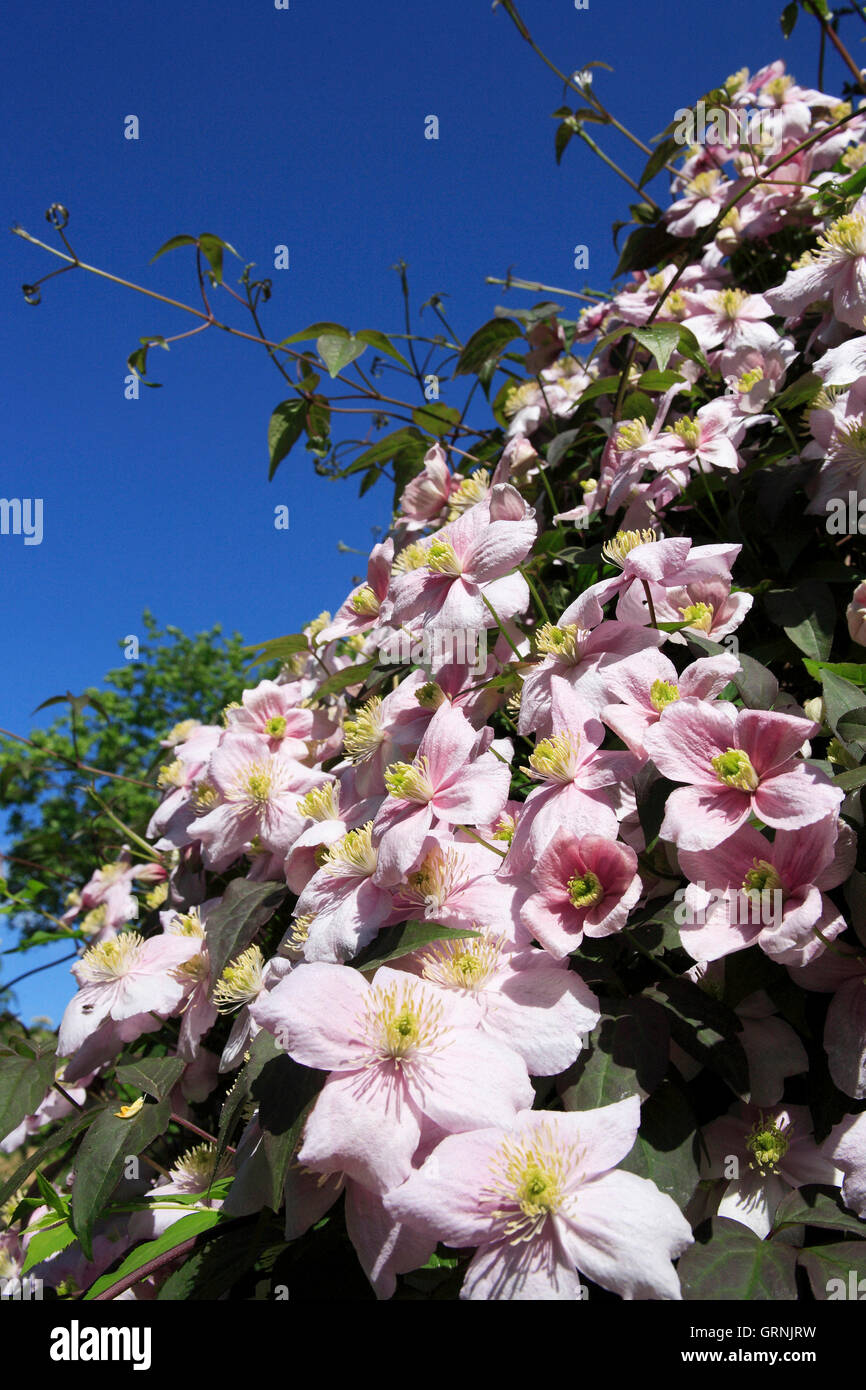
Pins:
x,y
661,340
315,330
842,700
626,1054
349,675
400,940
668,149
58,1137
279,648
757,686
387,448
219,1258
734,1264
24,1083
564,133
659,381
706,1029
807,613
486,345
788,18
338,351
47,1242
284,430
848,670
851,780
378,340
817,1206
285,1091
666,1149
845,1263
436,419
50,1196
559,447
800,392
646,247
100,1159
212,248
172,244
177,1234
230,928
154,1075
137,363
263,1049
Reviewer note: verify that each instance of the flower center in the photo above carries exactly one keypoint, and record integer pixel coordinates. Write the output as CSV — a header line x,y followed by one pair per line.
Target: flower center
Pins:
x,y
768,1144
471,490
171,775
698,615
276,727
353,855
555,759
750,379
561,641
410,781
585,890
442,558
430,695
529,1181
688,430
241,981
411,557
321,803
662,694
623,543
847,234
111,960
439,874
729,303
631,434
363,735
365,602
401,1023
734,769
762,878
465,964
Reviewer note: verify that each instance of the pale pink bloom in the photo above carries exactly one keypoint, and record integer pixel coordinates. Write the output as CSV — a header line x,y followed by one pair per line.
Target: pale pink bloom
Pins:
x,y
257,795
837,272
452,777
121,979
581,788
547,341
170,823
841,973
542,1203
426,496
586,661
839,445
730,319
647,683
731,902
773,1050
330,811
636,302
360,611
539,1008
108,890
843,364
259,982
199,1013
271,713
469,560
580,885
701,444
401,1055
846,1146
663,564
519,461
856,615
704,198
347,907
454,884
738,763
706,605
774,1152
383,731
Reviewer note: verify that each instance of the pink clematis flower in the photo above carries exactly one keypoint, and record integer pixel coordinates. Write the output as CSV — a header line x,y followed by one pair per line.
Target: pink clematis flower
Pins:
x,y
542,1202
750,891
121,979
856,615
469,561
402,1056
346,906
580,885
587,661
453,777
361,609
649,683
836,271
730,319
425,497
738,763
841,973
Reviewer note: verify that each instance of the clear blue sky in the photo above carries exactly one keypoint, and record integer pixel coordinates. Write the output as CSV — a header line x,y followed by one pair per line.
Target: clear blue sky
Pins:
x,y
304,127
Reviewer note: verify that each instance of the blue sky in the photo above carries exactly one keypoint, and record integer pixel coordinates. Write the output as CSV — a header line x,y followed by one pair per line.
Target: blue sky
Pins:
x,y
302,127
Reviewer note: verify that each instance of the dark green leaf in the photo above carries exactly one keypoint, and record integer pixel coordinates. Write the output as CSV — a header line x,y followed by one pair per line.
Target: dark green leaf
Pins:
x,y
231,926
646,247
625,1055
667,1148
668,149
400,940
58,1137
734,1264
788,18
661,339
800,392
486,344
844,1264
817,1206
177,1234
706,1029
154,1075
349,675
99,1163
284,430
216,1262
24,1083
807,613
286,1092
172,244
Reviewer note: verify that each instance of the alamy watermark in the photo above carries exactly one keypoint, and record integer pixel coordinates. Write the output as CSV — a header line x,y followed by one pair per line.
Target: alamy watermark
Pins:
x,y
846,516
744,907
22,516
723,125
